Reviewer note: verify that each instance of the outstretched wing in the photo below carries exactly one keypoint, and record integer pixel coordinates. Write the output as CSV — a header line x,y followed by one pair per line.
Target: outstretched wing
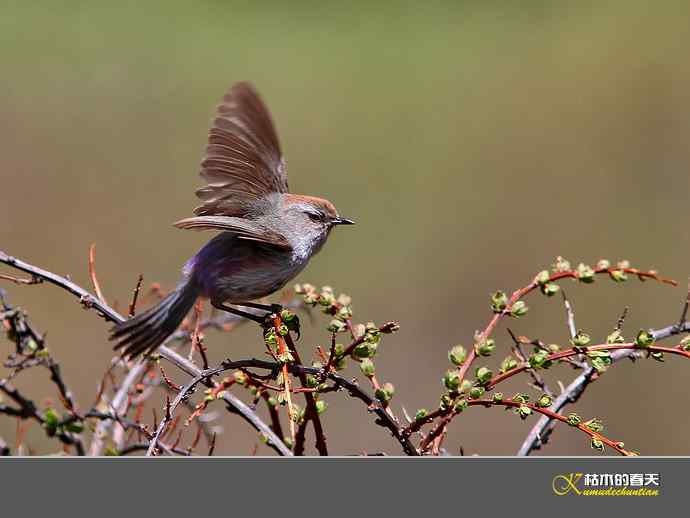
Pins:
x,y
244,229
243,161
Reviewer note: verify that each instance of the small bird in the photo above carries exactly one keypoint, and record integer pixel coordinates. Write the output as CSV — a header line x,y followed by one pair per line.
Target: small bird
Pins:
x,y
267,234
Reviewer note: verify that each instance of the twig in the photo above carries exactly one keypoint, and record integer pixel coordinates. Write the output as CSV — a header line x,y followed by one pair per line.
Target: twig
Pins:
x,y
90,302
135,296
92,273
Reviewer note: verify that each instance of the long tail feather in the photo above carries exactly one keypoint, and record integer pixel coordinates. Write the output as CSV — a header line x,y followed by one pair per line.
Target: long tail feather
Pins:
x,y
145,332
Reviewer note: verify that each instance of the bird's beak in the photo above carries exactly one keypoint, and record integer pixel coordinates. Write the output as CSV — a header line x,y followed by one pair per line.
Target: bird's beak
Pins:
x,y
342,221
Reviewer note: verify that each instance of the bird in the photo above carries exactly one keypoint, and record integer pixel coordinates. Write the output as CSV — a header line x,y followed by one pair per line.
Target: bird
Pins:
x,y
267,234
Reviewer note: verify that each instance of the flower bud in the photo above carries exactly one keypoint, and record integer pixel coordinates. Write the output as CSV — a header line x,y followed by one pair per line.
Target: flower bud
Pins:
x,y
483,375
603,264
524,412
498,397
460,405
595,424
465,386
616,337
485,347
508,364
367,367
336,326
574,419
421,414
544,401
644,338
585,273
581,339
499,301
364,350
385,392
240,377
538,360
519,308
451,380
320,406
685,343
658,356
550,289
618,275
457,355
542,277
561,265
446,401
597,444
477,392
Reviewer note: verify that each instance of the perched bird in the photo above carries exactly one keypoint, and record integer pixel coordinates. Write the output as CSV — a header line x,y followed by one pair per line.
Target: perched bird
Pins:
x,y
267,234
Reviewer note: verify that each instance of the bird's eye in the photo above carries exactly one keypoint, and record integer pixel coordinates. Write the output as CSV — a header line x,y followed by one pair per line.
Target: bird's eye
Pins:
x,y
315,216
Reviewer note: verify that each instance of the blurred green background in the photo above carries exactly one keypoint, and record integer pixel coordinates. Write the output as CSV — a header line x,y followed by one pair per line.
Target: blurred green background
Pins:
x,y
471,141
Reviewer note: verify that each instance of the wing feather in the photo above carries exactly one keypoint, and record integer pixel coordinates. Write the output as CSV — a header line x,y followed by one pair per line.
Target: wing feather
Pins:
x,y
243,161
244,228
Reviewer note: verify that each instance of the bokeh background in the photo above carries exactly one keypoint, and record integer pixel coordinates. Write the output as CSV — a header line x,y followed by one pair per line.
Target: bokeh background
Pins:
x,y
471,141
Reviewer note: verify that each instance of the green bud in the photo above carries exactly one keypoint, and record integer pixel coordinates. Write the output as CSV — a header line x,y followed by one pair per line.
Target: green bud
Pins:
x,y
524,411
283,330
581,339
272,401
618,275
542,277
584,273
51,418
539,360
344,300
336,326
658,356
483,375
457,355
339,350
240,377
465,386
385,392
446,401
498,397
508,364
544,401
597,444
340,364
311,381
477,392
561,265
550,289
344,313
364,350
574,419
603,264
320,406
270,337
460,405
521,398
600,359
367,367
451,380
421,414
616,337
553,348
285,357
595,424
485,347
685,343
499,301
519,308
644,338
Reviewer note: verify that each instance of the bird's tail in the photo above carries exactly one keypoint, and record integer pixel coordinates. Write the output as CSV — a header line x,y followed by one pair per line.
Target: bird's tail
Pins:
x,y
145,332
